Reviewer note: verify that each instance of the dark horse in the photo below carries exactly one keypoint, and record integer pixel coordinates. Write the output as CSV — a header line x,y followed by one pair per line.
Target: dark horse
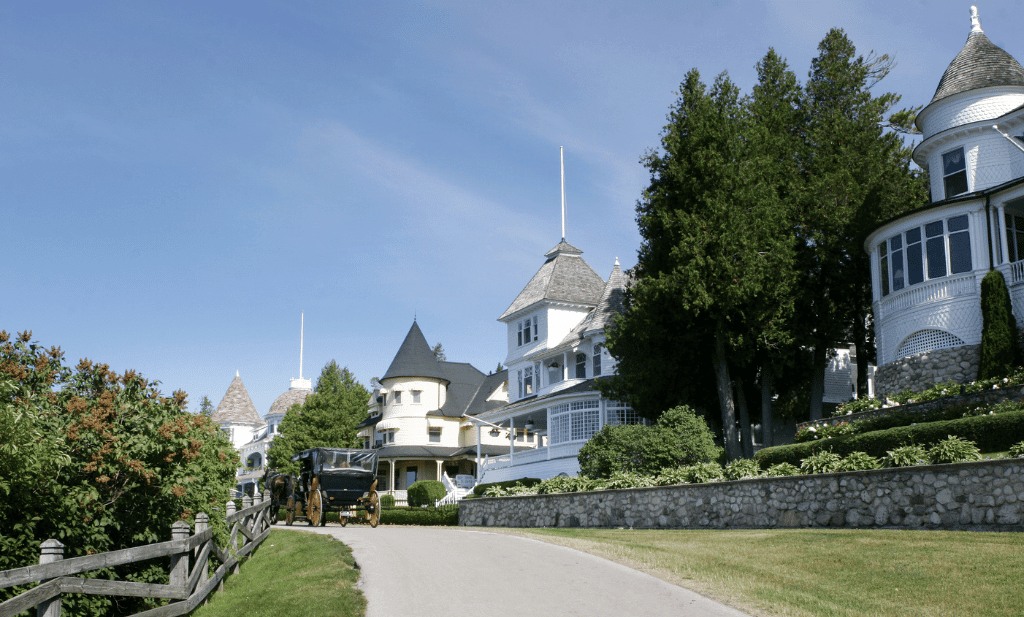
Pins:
x,y
281,487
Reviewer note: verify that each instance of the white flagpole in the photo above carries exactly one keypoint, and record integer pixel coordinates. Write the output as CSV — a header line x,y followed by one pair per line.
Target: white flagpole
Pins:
x,y
561,155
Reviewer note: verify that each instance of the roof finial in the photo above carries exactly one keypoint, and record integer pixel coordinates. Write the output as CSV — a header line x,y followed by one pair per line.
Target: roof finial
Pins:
x,y
975,20
561,155
236,373
616,261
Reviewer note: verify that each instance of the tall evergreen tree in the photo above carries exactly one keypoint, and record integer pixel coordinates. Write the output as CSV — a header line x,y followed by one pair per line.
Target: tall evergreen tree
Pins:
x,y
328,418
857,174
714,240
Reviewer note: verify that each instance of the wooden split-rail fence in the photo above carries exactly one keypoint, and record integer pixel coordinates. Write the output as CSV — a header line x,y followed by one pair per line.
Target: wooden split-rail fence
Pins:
x,y
190,581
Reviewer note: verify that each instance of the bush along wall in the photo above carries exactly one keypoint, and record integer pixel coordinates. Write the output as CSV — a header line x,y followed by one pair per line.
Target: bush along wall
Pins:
x,y
999,353
991,433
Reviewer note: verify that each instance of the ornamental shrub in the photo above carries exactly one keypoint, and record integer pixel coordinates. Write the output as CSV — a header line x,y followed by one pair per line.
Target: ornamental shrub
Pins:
x,y
565,484
742,468
387,501
670,476
954,450
704,472
782,469
825,461
101,461
425,493
480,489
906,456
857,461
443,516
679,438
999,353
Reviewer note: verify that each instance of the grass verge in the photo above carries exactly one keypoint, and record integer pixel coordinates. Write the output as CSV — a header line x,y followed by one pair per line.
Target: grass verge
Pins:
x,y
293,574
823,573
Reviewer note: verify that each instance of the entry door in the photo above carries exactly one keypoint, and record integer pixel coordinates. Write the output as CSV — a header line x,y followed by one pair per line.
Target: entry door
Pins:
x,y
410,477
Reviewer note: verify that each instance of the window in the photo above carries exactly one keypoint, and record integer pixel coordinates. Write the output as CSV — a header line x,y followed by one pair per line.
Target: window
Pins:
x,y
527,330
576,421
621,413
1015,236
554,371
954,172
388,436
434,434
581,366
598,350
396,397
944,249
416,396
526,382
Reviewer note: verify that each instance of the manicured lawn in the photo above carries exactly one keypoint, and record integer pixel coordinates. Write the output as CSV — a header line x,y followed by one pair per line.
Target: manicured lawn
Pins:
x,y
818,573
293,574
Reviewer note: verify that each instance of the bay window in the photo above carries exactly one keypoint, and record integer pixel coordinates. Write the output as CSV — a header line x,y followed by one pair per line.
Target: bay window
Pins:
x,y
912,257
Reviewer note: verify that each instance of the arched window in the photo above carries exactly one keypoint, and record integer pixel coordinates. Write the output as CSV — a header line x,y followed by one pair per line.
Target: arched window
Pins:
x,y
581,366
598,350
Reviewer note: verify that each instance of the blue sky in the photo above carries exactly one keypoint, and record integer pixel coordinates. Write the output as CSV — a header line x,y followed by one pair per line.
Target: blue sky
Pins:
x,y
179,180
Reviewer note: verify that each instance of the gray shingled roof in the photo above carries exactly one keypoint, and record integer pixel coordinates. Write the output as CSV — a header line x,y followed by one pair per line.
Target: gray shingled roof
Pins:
x,y
415,358
980,64
293,396
612,303
236,406
564,277
463,382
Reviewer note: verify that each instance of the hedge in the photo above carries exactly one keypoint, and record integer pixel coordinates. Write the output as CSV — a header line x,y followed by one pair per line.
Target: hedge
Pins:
x,y
445,515
991,433
425,493
479,489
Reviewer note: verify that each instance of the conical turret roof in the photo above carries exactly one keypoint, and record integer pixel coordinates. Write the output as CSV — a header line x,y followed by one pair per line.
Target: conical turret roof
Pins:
x,y
564,277
980,64
415,358
236,406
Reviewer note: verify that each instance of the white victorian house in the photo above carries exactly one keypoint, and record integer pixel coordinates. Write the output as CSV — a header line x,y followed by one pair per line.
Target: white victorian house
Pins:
x,y
556,354
421,418
927,265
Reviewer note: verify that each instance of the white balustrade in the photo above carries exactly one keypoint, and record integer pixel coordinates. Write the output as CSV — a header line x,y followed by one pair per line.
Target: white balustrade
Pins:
x,y
931,291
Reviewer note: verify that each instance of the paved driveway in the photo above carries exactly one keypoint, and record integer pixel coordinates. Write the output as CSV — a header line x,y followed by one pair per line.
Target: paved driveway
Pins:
x,y
439,571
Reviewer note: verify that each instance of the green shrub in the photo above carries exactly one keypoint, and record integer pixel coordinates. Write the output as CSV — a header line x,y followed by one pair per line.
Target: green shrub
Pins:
x,y
1017,450
782,469
825,431
825,461
479,489
680,437
704,472
906,456
425,493
999,354
565,484
857,461
991,433
742,468
670,476
387,501
954,450
622,479
443,516
862,404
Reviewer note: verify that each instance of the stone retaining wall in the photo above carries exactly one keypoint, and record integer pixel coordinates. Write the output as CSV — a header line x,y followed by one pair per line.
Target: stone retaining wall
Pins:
x,y
922,371
987,495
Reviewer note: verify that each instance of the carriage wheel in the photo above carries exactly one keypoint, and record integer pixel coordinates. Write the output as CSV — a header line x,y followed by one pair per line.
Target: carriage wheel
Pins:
x,y
289,516
342,519
373,508
313,508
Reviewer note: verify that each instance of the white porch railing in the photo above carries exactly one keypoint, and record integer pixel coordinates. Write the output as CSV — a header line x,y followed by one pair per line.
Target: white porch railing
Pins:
x,y
1016,272
949,287
401,497
561,450
454,495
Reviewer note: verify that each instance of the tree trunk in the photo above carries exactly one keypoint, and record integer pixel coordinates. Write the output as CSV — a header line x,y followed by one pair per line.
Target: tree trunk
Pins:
x,y
725,399
767,383
746,445
818,381
860,342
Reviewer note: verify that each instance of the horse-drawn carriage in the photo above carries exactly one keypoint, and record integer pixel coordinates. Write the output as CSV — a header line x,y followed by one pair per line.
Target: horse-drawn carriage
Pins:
x,y
339,479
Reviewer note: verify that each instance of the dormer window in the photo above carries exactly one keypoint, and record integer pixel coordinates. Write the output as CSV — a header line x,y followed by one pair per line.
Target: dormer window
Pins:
x,y
526,382
527,330
597,359
396,397
581,366
954,172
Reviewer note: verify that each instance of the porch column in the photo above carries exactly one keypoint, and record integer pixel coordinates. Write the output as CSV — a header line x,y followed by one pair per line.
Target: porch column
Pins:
x,y
1001,230
438,476
391,485
511,440
565,365
478,459
547,412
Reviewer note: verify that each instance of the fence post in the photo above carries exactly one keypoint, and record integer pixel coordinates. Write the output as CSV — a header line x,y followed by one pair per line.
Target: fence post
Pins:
x,y
202,524
179,561
51,551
